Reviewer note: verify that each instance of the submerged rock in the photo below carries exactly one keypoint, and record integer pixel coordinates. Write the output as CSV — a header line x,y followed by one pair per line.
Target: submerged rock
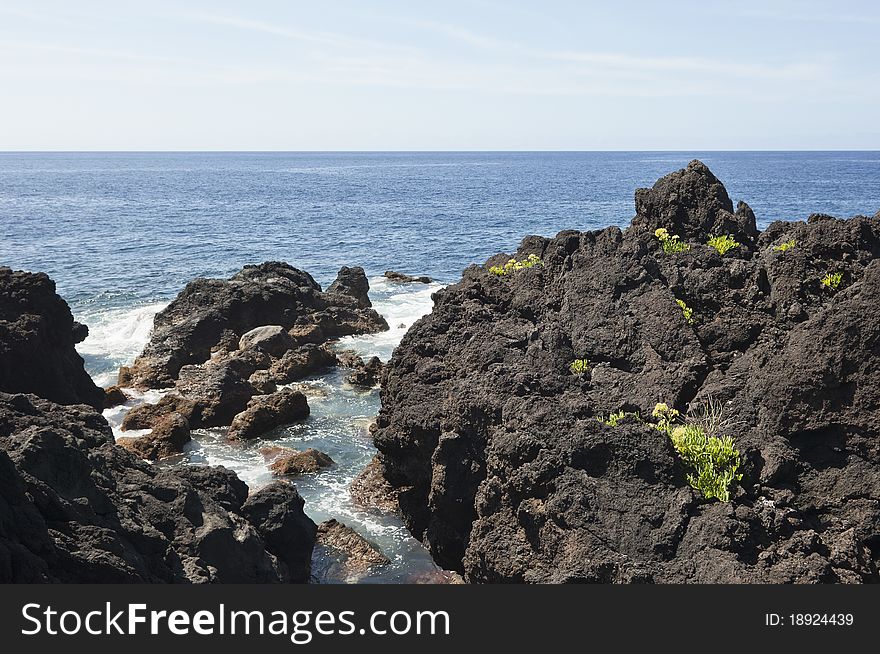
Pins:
x,y
402,278
343,555
371,491
37,339
76,508
504,472
170,433
266,412
209,314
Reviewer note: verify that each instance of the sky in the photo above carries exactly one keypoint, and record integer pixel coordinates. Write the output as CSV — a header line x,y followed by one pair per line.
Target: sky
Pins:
x,y
475,75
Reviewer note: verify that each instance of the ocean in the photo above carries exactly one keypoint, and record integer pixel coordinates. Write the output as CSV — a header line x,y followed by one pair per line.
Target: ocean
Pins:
x,y
122,233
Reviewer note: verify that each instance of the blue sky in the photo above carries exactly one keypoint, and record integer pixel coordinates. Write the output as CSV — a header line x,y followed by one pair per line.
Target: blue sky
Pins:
x,y
484,74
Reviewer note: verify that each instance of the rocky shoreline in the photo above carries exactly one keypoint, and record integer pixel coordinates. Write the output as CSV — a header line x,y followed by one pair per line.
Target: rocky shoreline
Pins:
x,y
516,419
534,427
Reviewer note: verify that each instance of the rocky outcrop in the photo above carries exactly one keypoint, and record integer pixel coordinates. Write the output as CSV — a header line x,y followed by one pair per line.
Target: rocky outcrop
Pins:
x,y
287,462
365,374
342,555
352,282
114,396
300,363
37,339
266,412
170,433
220,392
74,507
402,278
506,474
212,315
276,511
144,416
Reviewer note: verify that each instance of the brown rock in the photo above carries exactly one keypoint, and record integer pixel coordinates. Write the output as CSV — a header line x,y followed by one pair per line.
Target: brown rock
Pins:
x,y
301,362
345,555
169,435
370,490
144,416
266,412
287,461
113,396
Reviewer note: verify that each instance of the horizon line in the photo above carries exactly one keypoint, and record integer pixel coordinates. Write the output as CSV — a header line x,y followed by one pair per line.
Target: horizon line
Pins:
x,y
437,151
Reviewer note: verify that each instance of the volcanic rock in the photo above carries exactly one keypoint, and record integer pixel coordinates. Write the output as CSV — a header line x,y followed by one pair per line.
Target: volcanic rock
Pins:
x,y
352,282
296,364
343,555
505,473
145,416
289,462
366,374
114,396
371,491
271,339
209,313
76,508
170,433
402,278
37,339
266,412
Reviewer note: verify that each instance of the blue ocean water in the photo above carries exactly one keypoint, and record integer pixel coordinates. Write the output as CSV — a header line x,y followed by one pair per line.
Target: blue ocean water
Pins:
x,y
122,233
138,226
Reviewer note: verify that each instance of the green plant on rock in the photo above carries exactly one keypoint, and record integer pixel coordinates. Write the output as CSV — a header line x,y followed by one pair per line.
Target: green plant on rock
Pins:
x,y
670,243
614,418
712,461
782,247
513,265
579,366
686,311
722,244
832,280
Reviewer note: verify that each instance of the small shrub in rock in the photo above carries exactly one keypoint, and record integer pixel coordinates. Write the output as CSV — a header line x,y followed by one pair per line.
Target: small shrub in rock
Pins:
x,y
669,242
686,311
787,245
832,281
513,265
722,244
579,366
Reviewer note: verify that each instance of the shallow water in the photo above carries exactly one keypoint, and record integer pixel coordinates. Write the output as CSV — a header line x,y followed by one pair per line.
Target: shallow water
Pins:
x,y
338,424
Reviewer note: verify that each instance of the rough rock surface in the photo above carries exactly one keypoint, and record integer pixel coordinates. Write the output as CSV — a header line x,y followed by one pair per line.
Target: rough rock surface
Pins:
x,y
343,555
287,462
144,416
37,339
276,511
74,507
371,491
271,339
403,278
505,473
352,282
169,435
365,374
114,396
301,362
213,314
266,412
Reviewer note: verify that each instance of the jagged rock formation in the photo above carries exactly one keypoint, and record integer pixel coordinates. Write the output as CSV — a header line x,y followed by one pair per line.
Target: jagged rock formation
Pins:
x,y
505,473
74,507
212,314
37,339
223,342
403,278
266,412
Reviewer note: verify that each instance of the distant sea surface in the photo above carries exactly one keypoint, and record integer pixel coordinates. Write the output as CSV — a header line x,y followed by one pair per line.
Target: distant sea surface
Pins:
x,y
122,227
122,233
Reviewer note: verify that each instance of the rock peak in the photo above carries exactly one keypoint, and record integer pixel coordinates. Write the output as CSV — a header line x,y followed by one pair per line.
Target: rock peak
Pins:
x,y
693,204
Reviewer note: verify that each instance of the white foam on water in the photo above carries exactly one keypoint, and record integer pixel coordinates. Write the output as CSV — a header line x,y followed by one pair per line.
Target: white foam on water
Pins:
x,y
336,426
401,305
116,337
